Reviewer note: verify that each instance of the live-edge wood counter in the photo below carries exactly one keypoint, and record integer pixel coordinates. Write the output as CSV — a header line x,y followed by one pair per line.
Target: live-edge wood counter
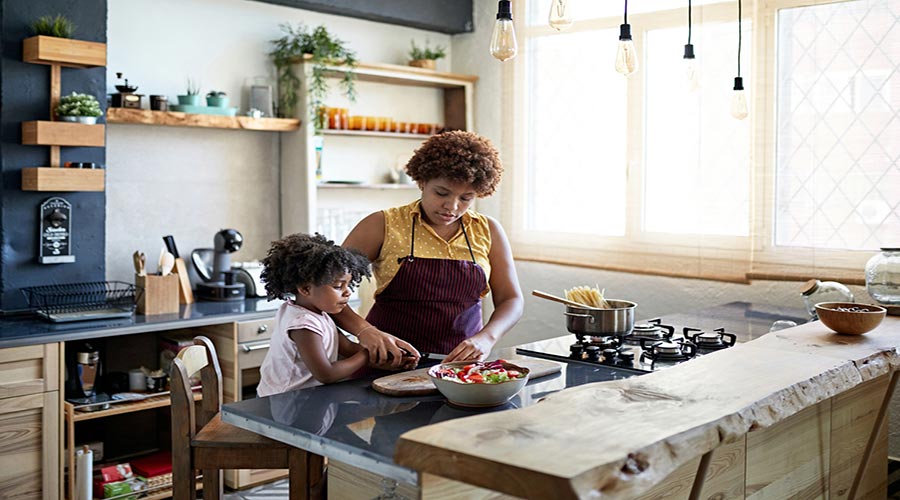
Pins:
x,y
791,413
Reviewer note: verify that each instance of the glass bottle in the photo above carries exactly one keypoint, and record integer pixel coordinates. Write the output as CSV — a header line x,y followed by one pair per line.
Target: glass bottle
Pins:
x,y
815,291
883,276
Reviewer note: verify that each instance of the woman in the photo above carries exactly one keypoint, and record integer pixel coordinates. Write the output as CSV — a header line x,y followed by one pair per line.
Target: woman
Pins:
x,y
435,259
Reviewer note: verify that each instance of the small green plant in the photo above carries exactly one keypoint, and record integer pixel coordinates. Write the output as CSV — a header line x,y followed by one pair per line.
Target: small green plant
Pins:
x,y
193,88
78,105
216,93
418,53
323,49
59,26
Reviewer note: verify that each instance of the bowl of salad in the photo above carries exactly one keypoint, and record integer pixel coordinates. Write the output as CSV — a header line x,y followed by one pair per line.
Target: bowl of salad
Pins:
x,y
480,383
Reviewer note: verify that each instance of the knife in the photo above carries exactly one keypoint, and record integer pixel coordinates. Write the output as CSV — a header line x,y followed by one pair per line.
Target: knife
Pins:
x,y
169,240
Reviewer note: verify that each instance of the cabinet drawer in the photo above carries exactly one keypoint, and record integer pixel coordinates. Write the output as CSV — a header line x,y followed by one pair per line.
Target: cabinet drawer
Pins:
x,y
29,370
251,354
251,331
30,455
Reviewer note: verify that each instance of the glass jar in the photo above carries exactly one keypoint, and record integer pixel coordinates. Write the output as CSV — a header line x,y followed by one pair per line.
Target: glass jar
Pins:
x,y
815,291
883,276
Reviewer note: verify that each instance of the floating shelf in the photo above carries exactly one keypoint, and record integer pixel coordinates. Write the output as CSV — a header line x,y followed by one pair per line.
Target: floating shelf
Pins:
x,y
179,119
402,75
373,133
345,185
63,52
47,133
63,179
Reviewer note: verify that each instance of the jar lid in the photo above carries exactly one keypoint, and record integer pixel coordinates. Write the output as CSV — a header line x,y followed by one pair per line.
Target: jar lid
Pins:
x,y
809,287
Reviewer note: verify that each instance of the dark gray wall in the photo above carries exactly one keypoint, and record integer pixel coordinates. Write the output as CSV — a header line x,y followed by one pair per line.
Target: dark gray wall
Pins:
x,y
24,96
444,16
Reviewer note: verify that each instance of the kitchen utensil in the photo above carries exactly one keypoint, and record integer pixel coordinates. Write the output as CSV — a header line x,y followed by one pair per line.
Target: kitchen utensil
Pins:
x,y
850,318
479,395
418,382
143,264
138,266
166,263
554,298
185,294
619,320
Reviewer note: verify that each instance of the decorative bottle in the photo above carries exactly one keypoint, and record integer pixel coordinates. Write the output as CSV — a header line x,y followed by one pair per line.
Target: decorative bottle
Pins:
x,y
815,292
883,276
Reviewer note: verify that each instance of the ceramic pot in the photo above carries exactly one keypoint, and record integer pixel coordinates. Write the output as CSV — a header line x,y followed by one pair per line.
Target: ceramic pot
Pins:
x,y
423,63
89,120
189,100
217,102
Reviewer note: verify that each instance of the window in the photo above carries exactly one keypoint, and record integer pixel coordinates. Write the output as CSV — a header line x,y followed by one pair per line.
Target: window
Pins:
x,y
639,174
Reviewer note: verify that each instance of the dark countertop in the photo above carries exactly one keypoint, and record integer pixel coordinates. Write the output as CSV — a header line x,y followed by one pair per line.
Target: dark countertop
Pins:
x,y
31,330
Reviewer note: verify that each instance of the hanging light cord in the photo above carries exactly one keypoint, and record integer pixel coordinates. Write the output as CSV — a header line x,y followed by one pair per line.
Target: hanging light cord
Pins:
x,y
739,38
626,12
689,22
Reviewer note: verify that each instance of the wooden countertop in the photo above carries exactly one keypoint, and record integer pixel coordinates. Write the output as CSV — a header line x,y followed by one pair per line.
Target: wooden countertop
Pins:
x,y
617,439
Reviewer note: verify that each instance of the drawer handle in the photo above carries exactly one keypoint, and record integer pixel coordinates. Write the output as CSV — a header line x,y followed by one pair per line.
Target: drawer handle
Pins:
x,y
255,347
262,329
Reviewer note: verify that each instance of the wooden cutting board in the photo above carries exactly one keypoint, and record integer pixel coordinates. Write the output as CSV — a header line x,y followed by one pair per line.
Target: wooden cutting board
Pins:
x,y
418,383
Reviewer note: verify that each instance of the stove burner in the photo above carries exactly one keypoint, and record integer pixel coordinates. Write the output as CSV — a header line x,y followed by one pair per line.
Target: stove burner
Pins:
x,y
667,351
651,330
710,341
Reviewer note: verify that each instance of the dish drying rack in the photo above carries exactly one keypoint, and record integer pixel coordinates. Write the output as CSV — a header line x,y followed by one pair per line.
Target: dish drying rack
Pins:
x,y
83,301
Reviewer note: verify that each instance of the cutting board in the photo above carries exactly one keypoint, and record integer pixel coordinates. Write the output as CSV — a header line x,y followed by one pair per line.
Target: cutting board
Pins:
x,y
418,383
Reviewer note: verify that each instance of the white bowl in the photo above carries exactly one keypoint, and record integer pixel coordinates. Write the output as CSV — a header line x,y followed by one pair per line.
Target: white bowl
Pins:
x,y
478,395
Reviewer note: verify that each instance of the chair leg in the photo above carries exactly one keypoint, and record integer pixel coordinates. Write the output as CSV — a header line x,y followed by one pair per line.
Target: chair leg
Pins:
x,y
306,477
184,482
212,484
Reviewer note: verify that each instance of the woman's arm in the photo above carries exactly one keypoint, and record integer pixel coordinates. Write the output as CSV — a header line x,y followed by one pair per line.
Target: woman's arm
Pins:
x,y
384,349
508,300
312,351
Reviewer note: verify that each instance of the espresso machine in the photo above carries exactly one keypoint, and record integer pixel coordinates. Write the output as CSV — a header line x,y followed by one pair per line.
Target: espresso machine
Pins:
x,y
220,284
83,371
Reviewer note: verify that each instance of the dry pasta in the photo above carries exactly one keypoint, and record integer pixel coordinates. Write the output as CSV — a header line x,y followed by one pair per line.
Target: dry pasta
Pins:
x,y
588,296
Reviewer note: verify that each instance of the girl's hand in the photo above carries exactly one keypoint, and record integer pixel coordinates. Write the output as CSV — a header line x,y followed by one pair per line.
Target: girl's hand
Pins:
x,y
474,348
387,351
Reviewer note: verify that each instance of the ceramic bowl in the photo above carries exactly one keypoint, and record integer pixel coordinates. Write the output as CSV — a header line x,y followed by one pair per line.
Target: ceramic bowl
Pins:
x,y
478,395
850,318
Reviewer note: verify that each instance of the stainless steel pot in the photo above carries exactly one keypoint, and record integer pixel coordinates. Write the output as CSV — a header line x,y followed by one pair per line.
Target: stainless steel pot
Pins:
x,y
618,320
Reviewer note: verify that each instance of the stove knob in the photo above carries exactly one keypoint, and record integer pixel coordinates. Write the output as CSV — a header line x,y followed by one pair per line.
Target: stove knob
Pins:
x,y
626,354
576,350
593,352
609,355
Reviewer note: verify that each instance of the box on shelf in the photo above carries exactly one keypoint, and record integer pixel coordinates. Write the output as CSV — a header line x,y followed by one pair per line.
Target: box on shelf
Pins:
x,y
160,294
169,347
157,464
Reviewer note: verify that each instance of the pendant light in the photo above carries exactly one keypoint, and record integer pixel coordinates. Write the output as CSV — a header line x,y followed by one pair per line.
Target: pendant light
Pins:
x,y
561,14
691,72
503,39
739,99
626,55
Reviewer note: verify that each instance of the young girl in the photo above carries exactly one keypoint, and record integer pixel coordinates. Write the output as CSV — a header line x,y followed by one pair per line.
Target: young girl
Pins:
x,y
306,343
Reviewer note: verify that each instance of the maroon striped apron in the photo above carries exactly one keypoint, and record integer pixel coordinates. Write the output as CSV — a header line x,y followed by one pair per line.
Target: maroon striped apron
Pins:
x,y
434,304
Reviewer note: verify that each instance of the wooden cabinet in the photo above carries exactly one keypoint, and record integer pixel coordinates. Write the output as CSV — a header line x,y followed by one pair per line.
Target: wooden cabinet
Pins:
x,y
30,405
56,53
359,162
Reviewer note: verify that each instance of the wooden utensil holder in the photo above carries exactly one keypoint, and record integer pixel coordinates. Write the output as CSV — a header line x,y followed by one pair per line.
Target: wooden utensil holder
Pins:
x,y
160,294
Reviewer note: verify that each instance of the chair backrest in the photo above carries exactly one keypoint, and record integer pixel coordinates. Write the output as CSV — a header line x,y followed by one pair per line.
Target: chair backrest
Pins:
x,y
200,357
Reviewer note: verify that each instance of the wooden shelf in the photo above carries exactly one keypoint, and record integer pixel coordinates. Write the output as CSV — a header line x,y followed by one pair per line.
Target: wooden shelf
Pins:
x,y
63,179
373,133
47,133
160,401
63,52
341,185
404,75
179,119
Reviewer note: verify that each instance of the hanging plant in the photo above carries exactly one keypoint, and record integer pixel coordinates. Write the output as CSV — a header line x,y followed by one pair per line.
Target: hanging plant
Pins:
x,y
321,49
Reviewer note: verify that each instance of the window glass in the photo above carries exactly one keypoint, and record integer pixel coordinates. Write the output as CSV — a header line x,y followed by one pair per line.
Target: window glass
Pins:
x,y
697,178
538,11
838,128
575,135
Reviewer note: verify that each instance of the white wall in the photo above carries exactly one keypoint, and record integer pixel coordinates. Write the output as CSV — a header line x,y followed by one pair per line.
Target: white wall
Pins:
x,y
191,182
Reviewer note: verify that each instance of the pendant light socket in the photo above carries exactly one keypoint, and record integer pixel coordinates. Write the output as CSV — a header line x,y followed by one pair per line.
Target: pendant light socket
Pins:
x,y
689,51
504,9
738,83
624,31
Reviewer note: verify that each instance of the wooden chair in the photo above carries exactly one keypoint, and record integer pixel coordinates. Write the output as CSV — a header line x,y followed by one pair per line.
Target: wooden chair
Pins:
x,y
203,442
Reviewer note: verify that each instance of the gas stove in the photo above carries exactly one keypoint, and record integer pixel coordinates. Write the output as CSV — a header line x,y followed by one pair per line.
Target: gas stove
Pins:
x,y
652,345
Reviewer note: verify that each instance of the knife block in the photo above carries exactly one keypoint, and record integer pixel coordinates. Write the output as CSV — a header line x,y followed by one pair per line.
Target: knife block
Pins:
x,y
160,294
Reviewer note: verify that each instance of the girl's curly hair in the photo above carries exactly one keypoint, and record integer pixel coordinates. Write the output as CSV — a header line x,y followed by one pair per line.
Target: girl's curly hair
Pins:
x,y
301,259
459,156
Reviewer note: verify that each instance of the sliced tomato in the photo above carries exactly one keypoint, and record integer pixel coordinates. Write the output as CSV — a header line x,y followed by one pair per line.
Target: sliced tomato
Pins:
x,y
476,377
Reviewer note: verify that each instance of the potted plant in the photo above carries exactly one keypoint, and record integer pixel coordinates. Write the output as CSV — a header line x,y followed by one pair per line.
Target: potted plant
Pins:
x,y
191,97
59,26
425,57
217,99
321,49
81,108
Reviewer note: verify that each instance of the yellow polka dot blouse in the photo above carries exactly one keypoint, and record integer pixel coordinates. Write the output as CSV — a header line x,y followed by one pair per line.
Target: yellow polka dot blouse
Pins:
x,y
398,231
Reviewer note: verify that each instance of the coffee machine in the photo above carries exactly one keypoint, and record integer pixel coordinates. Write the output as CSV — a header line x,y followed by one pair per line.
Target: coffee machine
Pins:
x,y
220,285
83,371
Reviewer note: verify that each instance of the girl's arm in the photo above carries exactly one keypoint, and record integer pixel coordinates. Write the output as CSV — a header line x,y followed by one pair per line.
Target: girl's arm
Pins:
x,y
346,347
508,300
312,351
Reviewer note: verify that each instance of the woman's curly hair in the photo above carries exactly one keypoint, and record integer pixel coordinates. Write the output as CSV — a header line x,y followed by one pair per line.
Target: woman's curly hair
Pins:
x,y
459,156
301,259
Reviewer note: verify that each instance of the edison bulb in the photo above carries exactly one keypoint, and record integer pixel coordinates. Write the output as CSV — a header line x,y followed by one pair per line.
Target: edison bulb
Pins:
x,y
503,40
560,15
691,69
626,55
739,108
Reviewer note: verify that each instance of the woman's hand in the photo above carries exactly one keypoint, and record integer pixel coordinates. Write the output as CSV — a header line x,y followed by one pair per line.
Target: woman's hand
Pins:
x,y
387,351
474,348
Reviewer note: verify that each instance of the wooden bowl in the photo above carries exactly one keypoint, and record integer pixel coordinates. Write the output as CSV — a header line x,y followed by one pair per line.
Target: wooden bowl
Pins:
x,y
850,318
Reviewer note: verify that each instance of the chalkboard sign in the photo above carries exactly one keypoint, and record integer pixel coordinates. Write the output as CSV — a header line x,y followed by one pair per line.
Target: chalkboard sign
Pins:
x,y
56,232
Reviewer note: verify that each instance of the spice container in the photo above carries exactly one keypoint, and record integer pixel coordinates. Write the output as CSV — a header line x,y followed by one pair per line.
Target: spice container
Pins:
x,y
815,292
883,276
